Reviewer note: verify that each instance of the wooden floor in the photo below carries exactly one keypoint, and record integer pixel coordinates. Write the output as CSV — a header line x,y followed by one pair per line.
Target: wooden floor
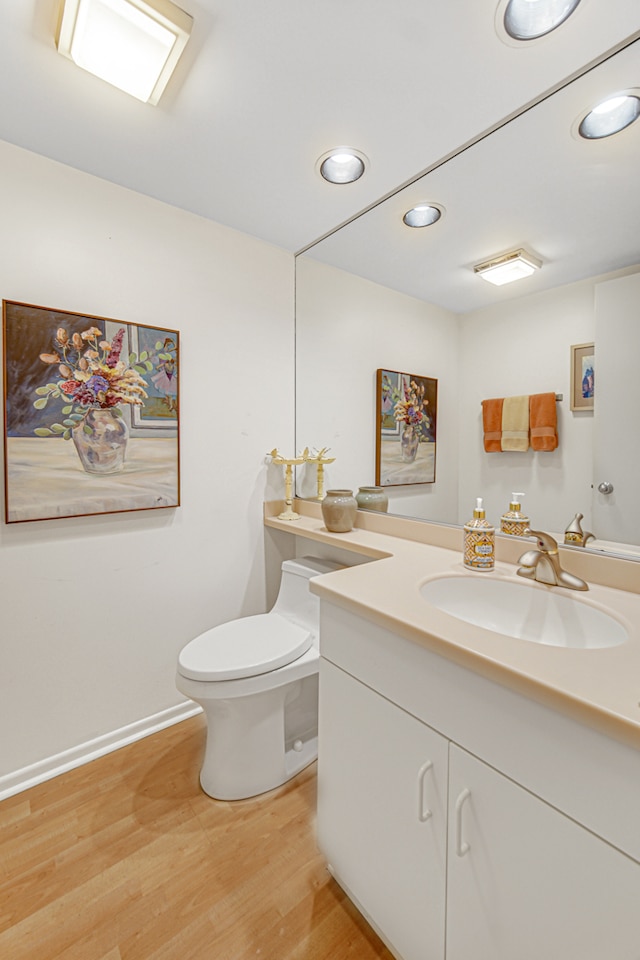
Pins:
x,y
126,859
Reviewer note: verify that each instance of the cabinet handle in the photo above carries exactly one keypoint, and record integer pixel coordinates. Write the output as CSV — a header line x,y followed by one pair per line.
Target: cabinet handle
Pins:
x,y
423,811
462,846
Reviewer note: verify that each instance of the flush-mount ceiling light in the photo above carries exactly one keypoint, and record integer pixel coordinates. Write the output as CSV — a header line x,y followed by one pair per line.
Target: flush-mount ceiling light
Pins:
x,y
132,44
530,19
610,116
422,215
342,165
509,267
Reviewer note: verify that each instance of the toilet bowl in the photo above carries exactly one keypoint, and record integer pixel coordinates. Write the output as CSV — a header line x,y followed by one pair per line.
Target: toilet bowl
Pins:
x,y
256,680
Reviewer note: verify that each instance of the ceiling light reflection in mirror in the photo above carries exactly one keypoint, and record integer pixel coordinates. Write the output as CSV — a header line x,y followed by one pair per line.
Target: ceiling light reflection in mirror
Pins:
x,y
611,116
422,215
508,268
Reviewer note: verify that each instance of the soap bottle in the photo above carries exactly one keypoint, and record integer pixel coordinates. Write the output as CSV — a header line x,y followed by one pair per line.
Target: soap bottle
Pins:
x,y
479,541
574,535
514,521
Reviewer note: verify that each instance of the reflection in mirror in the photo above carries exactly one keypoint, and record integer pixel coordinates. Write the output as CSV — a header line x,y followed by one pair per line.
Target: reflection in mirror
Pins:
x,y
377,294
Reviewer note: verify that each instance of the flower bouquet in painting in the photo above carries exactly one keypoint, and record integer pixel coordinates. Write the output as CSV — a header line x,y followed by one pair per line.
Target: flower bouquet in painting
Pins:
x,y
410,410
93,381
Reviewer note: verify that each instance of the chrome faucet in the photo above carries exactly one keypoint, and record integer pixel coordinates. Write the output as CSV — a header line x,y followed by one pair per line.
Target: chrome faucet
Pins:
x,y
543,564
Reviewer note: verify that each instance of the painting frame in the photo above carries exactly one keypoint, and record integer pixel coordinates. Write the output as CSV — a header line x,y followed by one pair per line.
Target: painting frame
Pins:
x,y
582,376
406,428
76,388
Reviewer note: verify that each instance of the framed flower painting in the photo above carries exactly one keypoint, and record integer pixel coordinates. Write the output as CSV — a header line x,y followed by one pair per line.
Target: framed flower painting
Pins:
x,y
91,414
406,413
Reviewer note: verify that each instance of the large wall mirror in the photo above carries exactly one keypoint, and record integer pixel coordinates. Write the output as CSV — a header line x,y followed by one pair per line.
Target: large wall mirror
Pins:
x,y
378,294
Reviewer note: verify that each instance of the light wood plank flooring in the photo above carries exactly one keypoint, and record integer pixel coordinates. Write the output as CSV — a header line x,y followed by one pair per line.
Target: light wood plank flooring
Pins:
x,y
126,859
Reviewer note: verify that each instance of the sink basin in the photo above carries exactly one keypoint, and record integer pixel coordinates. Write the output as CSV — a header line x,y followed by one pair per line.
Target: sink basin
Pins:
x,y
524,611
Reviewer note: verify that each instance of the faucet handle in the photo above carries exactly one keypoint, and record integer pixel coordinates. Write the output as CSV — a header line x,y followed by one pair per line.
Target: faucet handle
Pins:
x,y
545,541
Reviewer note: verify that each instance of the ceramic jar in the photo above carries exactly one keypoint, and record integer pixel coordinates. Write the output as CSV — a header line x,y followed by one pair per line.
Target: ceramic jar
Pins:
x,y
372,498
339,509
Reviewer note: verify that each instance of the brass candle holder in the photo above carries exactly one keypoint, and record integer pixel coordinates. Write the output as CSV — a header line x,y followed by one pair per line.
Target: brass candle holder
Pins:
x,y
320,459
288,463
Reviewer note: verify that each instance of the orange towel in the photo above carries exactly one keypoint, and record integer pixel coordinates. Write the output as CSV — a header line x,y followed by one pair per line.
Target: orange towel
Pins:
x,y
543,421
492,424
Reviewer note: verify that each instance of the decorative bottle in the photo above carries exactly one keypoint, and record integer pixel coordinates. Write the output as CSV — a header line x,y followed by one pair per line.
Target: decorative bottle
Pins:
x,y
479,541
514,522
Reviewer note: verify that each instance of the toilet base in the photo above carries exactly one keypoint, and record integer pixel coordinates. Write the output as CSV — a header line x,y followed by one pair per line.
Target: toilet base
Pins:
x,y
257,743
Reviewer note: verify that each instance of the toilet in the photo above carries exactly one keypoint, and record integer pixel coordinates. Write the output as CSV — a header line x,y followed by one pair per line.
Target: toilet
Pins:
x,y
256,680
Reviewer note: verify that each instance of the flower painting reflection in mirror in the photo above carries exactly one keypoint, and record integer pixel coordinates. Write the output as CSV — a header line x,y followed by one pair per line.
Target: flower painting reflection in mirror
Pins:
x,y
406,411
91,414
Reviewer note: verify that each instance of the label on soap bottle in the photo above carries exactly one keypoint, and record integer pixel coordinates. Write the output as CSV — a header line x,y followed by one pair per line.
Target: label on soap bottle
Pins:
x,y
478,549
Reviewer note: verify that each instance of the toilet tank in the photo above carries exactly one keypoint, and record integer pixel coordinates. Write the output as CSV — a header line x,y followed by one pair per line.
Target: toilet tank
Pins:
x,y
295,601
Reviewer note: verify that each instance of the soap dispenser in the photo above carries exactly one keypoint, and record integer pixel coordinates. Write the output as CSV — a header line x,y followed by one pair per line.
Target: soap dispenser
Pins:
x,y
479,541
574,535
514,521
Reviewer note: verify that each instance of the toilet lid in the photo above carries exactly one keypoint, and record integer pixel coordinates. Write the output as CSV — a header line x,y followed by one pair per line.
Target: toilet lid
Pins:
x,y
243,648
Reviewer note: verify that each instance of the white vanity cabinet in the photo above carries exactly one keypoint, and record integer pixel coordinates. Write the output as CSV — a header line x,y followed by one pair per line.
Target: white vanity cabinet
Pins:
x,y
382,792
524,881
423,823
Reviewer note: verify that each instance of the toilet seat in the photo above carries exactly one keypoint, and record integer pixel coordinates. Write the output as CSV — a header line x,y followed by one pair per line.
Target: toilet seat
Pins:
x,y
247,647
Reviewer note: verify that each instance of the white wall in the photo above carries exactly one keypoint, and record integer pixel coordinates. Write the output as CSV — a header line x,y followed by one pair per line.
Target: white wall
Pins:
x,y
523,347
94,610
347,328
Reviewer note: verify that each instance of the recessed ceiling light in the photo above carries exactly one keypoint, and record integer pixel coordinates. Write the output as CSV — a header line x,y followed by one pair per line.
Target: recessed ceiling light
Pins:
x,y
530,19
511,266
422,215
132,44
610,116
342,165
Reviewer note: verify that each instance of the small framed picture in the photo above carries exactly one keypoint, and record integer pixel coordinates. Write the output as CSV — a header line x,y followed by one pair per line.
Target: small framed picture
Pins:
x,y
582,376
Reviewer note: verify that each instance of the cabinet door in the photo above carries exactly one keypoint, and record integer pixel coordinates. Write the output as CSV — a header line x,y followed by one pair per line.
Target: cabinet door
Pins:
x,y
381,812
526,882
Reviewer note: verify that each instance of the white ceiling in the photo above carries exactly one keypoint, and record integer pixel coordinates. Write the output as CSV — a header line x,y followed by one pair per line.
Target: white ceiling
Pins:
x,y
266,86
573,203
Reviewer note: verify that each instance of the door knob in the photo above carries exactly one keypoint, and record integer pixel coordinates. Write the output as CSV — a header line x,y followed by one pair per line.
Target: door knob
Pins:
x,y
605,487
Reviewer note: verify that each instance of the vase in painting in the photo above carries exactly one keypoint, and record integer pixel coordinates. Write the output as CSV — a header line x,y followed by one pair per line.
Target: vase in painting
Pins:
x,y
101,441
409,443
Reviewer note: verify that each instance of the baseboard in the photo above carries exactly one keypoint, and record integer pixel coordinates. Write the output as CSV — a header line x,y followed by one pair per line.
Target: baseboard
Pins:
x,y
50,767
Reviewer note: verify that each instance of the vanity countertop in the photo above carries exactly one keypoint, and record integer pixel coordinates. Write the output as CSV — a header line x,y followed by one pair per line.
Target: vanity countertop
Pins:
x,y
597,687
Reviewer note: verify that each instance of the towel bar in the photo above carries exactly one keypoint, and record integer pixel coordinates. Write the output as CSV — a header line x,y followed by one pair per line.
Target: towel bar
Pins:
x,y
559,398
